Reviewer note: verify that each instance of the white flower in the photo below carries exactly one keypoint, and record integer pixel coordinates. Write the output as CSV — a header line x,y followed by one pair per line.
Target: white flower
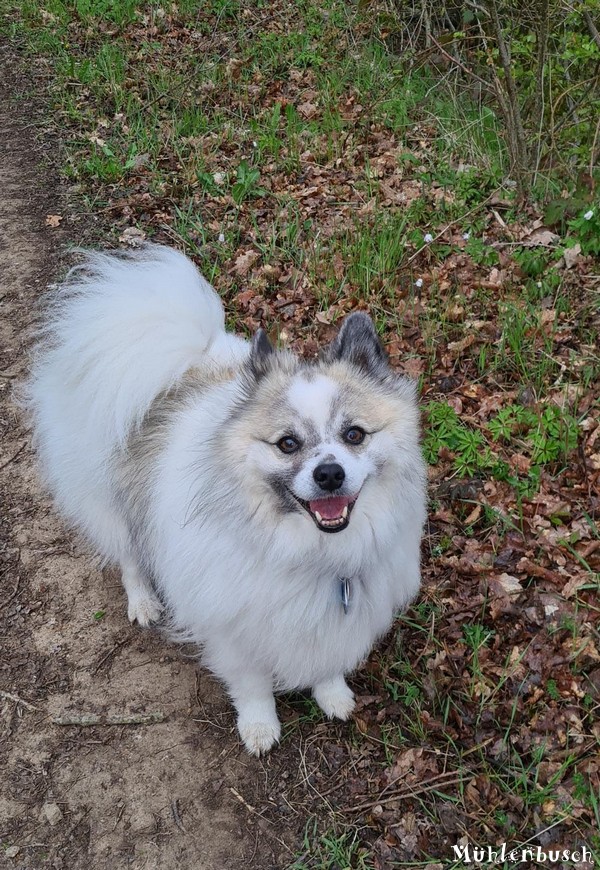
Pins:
x,y
588,215
419,282
255,144
427,238
221,238
466,236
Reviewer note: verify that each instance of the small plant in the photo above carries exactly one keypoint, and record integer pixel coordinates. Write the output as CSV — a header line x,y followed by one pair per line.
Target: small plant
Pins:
x,y
586,230
481,253
548,435
533,261
446,430
207,182
246,185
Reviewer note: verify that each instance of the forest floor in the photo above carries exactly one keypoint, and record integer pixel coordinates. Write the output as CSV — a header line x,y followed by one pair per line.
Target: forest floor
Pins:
x,y
279,146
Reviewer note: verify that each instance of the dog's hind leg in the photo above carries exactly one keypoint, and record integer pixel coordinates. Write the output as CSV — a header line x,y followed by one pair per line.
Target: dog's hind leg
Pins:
x,y
143,606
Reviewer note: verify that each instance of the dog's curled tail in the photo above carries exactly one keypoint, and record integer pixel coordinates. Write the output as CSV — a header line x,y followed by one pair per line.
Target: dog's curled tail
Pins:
x,y
120,330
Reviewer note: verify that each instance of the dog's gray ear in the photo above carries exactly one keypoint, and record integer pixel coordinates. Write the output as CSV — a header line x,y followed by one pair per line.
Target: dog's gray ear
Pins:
x,y
357,342
261,351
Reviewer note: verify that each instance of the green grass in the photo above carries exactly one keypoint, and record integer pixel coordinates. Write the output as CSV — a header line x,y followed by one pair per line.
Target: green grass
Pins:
x,y
332,850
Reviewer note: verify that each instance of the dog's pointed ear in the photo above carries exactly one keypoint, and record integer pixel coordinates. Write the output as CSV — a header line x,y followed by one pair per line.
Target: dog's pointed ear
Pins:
x,y
261,352
357,342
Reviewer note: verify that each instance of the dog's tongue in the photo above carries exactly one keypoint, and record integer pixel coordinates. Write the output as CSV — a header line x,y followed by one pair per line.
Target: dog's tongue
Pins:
x,y
330,508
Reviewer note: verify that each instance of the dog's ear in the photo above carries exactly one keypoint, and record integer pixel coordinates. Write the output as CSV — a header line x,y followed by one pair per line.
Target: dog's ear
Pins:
x,y
357,342
261,352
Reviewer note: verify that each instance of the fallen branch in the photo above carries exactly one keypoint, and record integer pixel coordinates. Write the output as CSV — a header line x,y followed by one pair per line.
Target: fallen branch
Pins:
x,y
407,794
17,700
86,720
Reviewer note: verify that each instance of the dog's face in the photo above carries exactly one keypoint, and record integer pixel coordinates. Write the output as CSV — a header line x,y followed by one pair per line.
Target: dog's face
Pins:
x,y
315,438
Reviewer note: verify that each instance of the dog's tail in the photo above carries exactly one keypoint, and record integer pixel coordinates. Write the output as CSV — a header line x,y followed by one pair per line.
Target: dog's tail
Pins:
x,y
123,328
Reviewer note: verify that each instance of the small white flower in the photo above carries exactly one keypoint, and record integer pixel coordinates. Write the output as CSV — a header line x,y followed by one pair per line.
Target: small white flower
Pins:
x,y
427,238
588,215
466,236
255,144
221,238
419,282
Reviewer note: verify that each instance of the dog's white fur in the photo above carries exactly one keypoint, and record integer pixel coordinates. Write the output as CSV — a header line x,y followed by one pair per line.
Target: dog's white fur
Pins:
x,y
156,431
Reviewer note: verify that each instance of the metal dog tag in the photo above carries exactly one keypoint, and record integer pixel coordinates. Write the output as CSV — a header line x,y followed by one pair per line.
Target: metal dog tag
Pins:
x,y
345,593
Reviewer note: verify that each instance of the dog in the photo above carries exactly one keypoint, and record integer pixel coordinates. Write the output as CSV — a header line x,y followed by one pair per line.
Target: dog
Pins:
x,y
268,509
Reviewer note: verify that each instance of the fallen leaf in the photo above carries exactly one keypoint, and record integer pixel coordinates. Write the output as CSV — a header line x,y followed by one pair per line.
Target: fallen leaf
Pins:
x,y
541,237
572,256
307,110
507,584
132,236
244,262
53,220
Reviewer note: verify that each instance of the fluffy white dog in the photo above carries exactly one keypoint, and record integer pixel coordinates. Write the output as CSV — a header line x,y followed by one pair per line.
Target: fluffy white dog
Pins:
x,y
267,509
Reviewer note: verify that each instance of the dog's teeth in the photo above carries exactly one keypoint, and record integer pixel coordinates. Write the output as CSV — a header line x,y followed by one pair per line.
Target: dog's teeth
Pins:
x,y
319,517
345,512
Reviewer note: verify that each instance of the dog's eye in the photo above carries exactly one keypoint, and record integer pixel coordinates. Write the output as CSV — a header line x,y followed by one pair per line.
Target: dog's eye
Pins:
x,y
354,435
287,444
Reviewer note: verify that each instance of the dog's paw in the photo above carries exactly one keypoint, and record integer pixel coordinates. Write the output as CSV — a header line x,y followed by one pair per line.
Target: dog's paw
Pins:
x,y
335,698
144,609
259,735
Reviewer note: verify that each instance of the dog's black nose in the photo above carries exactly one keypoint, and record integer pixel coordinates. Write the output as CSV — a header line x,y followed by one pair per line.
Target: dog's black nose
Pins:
x,y
329,476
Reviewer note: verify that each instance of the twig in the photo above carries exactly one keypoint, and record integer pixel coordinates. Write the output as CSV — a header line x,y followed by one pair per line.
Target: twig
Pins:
x,y
407,794
242,800
461,66
436,779
18,700
592,27
86,720
14,456
110,653
593,148
176,815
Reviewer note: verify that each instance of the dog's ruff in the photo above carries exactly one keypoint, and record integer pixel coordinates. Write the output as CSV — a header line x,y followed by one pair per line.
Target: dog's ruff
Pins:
x,y
273,508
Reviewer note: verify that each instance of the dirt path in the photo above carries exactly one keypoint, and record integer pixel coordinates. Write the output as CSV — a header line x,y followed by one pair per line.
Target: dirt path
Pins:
x,y
164,795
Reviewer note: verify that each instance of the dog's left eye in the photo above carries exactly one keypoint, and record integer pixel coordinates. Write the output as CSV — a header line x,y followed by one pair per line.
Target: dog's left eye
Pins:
x,y
354,435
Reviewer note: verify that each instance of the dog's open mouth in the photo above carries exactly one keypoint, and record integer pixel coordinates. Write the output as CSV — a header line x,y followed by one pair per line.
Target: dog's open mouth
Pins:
x,y
330,514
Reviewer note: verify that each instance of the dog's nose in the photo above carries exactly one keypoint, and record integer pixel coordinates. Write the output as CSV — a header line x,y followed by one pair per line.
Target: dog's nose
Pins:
x,y
329,476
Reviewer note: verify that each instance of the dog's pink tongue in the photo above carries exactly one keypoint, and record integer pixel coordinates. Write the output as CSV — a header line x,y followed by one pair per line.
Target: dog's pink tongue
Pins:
x,y
329,508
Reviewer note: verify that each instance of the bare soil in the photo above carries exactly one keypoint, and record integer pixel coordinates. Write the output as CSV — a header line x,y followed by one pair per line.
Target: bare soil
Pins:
x,y
178,793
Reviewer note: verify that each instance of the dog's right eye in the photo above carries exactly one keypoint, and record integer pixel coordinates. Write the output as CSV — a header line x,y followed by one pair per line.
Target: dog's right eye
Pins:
x,y
287,444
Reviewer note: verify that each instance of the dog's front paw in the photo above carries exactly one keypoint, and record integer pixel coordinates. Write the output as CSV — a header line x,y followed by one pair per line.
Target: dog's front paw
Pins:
x,y
335,698
259,737
144,609
259,729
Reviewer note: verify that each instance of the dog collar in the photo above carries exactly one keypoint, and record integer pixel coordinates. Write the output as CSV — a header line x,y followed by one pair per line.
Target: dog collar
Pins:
x,y
345,592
